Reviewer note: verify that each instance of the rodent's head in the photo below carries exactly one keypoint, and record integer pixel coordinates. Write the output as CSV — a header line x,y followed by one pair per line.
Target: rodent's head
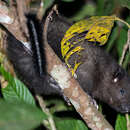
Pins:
x,y
116,90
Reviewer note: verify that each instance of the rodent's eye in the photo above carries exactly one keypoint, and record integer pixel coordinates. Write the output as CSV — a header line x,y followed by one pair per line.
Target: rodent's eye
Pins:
x,y
122,91
115,80
118,74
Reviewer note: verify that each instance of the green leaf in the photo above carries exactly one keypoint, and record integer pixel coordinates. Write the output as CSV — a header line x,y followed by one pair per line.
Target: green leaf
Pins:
x,y
15,90
125,3
105,7
19,116
70,124
86,10
109,7
100,7
120,123
68,0
112,39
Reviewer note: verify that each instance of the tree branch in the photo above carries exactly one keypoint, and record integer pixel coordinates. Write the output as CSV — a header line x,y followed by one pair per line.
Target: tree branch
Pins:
x,y
71,88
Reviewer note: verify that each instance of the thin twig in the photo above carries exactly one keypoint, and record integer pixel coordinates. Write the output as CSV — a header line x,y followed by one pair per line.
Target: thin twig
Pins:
x,y
128,121
9,18
44,109
48,19
126,46
40,11
21,11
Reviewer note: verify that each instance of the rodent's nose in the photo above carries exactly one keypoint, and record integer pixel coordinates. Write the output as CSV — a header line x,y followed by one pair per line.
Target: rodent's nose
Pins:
x,y
125,108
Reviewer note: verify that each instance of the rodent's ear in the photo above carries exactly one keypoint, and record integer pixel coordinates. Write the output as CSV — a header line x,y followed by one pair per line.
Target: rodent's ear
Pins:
x,y
118,75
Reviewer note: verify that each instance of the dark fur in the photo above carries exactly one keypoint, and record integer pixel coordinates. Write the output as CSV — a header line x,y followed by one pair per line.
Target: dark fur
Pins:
x,y
96,75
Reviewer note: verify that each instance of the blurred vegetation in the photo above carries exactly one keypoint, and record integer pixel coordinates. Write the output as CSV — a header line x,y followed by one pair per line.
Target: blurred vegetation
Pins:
x,y
65,117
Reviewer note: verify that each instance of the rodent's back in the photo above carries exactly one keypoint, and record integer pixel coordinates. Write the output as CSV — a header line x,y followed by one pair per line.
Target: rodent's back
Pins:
x,y
99,74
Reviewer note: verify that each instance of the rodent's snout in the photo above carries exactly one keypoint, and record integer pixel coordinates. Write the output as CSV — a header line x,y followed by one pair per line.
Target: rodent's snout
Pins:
x,y
124,108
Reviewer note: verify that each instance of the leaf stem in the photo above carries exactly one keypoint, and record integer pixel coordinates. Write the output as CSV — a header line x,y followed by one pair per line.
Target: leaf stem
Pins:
x,y
118,19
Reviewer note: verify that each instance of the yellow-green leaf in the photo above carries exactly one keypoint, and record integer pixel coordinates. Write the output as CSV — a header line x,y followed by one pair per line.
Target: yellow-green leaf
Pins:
x,y
96,29
100,29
